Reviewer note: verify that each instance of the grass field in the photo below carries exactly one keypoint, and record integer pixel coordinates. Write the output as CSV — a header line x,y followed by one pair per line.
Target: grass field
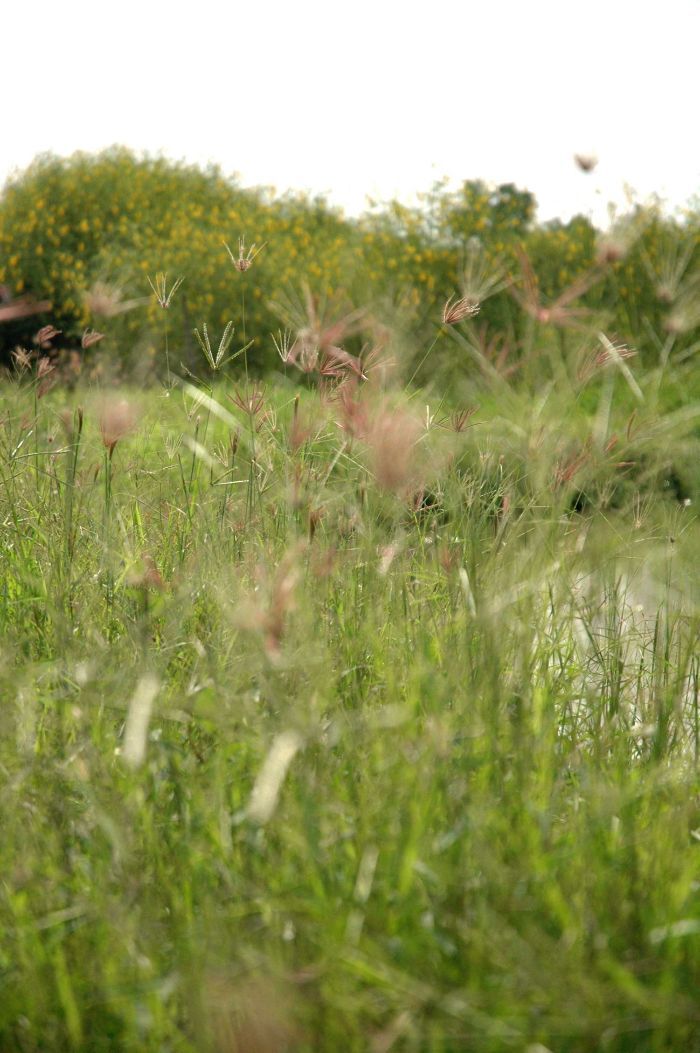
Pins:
x,y
352,717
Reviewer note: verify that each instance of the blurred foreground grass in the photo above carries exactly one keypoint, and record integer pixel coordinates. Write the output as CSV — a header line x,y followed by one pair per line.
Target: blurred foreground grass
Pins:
x,y
349,720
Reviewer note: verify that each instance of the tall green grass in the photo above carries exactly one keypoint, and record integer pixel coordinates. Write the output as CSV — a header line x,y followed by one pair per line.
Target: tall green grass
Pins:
x,y
342,720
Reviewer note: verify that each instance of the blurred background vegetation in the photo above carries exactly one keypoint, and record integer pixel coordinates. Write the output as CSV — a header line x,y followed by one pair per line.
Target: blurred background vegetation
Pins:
x,y
86,232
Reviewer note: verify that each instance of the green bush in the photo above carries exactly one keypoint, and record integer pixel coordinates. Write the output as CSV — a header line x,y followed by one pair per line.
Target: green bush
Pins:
x,y
88,231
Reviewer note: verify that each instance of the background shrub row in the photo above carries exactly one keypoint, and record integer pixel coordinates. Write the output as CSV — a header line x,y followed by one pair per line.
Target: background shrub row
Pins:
x,y
108,221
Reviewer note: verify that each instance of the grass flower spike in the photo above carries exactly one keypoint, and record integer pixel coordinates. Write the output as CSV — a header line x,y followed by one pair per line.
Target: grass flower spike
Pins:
x,y
216,359
159,286
457,310
244,260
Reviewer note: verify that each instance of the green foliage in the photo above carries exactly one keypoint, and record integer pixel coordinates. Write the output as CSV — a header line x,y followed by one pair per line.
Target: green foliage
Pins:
x,y
344,719
87,232
114,220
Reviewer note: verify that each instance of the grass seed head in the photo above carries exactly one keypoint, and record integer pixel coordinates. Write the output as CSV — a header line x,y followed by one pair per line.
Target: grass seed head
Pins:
x,y
117,419
89,338
251,401
46,334
44,370
284,345
456,310
22,359
586,162
244,260
392,440
103,300
160,289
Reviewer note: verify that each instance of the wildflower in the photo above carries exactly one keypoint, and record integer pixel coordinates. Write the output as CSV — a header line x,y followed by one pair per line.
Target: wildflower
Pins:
x,y
374,363
244,260
159,287
454,312
616,354
336,362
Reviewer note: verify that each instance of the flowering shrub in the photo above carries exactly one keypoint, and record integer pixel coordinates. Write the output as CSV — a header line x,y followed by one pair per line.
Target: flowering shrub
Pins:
x,y
88,232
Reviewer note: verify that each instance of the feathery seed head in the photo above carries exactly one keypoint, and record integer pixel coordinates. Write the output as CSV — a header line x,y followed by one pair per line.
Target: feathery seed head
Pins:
x,y
107,301
284,345
392,438
22,359
46,334
586,162
244,260
455,310
90,337
117,419
216,359
160,291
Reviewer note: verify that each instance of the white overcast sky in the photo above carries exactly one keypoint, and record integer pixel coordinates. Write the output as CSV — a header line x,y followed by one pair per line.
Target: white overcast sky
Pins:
x,y
368,97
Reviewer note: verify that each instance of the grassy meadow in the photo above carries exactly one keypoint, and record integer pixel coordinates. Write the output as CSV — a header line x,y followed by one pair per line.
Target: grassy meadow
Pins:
x,y
341,713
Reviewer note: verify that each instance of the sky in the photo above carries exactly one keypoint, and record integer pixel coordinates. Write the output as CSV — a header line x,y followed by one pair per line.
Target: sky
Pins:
x,y
368,99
